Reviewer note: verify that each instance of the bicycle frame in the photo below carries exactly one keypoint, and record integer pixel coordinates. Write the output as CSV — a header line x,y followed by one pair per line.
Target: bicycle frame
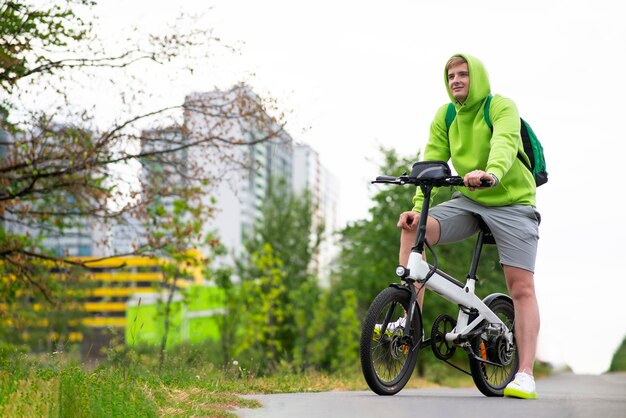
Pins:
x,y
418,270
458,293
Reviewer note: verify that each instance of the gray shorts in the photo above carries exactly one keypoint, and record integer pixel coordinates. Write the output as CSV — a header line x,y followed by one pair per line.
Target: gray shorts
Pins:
x,y
515,228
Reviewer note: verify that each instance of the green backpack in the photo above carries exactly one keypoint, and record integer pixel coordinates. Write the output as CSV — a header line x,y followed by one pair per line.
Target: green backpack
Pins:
x,y
532,157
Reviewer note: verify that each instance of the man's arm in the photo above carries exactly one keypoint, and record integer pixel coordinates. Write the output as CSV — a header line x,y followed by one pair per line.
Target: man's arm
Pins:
x,y
506,139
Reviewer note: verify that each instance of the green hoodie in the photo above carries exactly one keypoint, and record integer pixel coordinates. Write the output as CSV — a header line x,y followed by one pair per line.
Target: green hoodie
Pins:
x,y
470,144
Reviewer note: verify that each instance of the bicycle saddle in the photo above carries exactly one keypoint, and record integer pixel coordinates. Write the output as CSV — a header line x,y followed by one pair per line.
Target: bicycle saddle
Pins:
x,y
489,238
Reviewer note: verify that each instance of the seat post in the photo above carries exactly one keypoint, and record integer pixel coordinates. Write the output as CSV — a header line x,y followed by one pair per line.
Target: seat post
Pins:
x,y
480,240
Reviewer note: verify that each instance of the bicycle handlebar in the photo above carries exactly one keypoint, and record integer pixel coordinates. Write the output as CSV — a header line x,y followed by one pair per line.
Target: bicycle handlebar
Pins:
x,y
446,181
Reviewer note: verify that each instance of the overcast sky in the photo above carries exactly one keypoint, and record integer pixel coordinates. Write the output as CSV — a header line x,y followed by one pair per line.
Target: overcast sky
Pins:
x,y
353,75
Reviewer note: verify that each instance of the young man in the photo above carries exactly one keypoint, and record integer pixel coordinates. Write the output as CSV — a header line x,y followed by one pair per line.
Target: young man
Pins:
x,y
507,206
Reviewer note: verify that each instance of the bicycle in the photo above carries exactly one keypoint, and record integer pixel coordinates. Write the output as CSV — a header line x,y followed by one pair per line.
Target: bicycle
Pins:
x,y
392,334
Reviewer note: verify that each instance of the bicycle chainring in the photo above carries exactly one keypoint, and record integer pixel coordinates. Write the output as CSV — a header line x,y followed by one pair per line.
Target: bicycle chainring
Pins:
x,y
442,325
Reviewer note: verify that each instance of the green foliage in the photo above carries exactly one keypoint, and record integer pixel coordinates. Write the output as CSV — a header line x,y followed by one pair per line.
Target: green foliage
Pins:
x,y
618,362
281,248
288,226
321,334
334,333
228,322
264,312
29,34
303,299
347,334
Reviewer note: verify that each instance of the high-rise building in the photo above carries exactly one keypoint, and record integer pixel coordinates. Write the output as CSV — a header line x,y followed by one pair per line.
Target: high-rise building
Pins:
x,y
309,174
251,148
246,161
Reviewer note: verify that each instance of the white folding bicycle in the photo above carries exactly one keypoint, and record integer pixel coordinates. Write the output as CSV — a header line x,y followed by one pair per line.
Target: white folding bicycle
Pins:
x,y
392,333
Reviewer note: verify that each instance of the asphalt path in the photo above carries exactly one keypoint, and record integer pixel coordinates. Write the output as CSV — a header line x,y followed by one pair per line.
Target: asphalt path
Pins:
x,y
563,395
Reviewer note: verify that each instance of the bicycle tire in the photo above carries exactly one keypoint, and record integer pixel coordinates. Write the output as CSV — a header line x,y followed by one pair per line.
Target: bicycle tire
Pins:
x,y
491,380
386,361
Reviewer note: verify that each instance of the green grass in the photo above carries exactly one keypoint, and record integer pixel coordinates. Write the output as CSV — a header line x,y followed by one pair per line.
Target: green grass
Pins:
x,y
131,383
53,390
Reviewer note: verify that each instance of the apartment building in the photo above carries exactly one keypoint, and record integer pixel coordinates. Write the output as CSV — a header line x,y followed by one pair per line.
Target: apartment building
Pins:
x,y
309,174
246,163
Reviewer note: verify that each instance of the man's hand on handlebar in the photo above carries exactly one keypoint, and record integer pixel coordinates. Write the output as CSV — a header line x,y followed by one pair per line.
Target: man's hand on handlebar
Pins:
x,y
408,220
479,179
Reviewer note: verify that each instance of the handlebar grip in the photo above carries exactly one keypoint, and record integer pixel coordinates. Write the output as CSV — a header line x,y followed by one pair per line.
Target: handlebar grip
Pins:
x,y
458,181
385,179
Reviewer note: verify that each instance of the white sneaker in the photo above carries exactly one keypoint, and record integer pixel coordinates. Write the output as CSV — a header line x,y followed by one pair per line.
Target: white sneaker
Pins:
x,y
523,387
392,326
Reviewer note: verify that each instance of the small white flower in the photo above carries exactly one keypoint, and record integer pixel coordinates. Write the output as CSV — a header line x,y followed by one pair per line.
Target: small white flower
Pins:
x,y
235,363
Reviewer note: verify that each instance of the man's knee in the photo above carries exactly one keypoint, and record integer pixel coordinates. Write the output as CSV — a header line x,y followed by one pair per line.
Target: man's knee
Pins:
x,y
520,282
433,231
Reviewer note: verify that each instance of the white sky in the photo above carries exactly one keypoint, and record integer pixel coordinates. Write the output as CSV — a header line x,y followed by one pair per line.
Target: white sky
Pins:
x,y
357,74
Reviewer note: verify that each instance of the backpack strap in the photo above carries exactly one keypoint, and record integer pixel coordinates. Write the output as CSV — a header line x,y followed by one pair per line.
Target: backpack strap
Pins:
x,y
486,114
450,115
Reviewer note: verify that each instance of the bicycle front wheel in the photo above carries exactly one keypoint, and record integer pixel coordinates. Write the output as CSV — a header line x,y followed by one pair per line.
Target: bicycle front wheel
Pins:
x,y
388,358
489,379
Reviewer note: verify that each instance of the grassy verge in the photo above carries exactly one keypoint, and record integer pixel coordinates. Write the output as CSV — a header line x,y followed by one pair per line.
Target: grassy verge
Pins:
x,y
131,384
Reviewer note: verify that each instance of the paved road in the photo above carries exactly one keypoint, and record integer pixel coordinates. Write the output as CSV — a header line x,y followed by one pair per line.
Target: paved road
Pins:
x,y
565,395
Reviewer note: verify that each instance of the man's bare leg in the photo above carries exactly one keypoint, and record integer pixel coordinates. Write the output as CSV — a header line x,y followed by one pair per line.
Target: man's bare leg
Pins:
x,y
407,241
521,286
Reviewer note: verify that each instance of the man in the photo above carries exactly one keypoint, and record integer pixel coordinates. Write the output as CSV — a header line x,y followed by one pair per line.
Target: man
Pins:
x,y
507,206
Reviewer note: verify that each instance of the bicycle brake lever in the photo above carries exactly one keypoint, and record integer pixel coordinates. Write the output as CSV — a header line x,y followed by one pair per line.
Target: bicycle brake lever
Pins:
x,y
387,180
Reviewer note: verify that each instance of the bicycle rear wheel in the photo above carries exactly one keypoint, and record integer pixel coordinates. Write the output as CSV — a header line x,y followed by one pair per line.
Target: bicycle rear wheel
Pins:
x,y
388,359
489,379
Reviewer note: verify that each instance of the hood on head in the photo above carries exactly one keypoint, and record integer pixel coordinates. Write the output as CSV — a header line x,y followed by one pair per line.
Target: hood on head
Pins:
x,y
479,87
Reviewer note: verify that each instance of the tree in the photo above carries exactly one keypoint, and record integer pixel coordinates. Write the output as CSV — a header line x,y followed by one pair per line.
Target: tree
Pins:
x,y
347,334
288,226
618,362
65,168
334,333
29,34
264,312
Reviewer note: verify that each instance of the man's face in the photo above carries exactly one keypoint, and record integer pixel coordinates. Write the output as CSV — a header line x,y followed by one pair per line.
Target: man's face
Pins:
x,y
458,81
